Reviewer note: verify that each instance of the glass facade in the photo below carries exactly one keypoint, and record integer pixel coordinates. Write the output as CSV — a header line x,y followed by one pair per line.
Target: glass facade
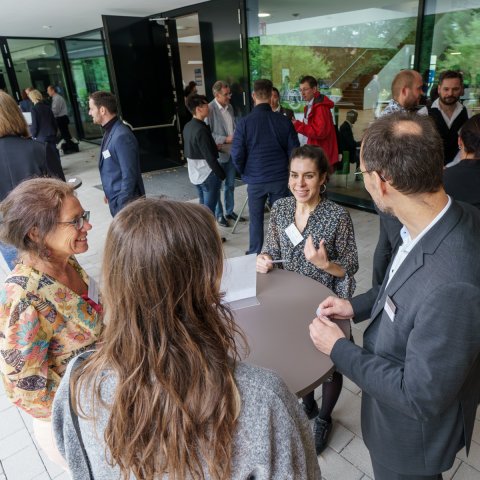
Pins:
x,y
88,66
37,63
354,55
4,82
450,41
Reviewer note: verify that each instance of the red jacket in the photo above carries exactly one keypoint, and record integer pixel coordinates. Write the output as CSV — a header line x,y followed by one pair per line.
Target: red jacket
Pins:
x,y
320,129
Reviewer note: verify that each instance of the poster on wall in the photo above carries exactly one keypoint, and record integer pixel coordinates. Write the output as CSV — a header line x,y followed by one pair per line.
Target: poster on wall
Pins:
x,y
198,76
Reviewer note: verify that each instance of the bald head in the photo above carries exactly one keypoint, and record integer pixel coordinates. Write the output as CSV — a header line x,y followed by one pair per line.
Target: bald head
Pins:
x,y
407,88
407,151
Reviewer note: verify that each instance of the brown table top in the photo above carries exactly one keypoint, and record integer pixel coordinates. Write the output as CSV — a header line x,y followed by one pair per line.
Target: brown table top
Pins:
x,y
277,329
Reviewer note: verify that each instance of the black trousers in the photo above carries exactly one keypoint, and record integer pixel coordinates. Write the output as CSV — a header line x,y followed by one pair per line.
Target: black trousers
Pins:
x,y
62,124
382,473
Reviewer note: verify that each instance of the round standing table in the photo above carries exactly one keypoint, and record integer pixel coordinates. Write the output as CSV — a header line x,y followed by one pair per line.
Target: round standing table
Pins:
x,y
277,329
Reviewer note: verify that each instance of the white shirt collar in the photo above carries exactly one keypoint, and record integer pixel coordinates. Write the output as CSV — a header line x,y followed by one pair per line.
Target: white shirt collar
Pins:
x,y
223,109
456,112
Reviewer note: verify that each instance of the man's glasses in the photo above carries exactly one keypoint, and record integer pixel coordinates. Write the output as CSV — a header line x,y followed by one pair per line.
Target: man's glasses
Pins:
x,y
361,173
79,221
226,95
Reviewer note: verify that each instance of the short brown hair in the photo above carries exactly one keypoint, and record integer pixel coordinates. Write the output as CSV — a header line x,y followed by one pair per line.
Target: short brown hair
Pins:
x,y
263,88
312,81
106,100
450,74
12,122
406,150
404,78
470,135
33,203
218,85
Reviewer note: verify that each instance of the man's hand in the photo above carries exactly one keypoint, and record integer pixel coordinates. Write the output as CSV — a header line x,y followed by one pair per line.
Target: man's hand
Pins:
x,y
105,199
318,257
229,139
337,308
325,334
264,263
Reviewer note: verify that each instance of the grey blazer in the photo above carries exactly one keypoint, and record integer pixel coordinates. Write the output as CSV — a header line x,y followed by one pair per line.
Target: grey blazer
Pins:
x,y
420,372
219,129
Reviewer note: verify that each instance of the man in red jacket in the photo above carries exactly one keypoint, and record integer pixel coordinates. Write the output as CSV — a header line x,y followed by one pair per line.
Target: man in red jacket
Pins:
x,y
317,123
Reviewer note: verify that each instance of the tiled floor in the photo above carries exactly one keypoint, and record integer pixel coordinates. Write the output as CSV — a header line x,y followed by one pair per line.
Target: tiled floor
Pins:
x,y
346,458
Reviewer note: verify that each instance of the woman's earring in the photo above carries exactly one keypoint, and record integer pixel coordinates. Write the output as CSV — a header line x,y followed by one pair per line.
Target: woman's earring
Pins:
x,y
324,185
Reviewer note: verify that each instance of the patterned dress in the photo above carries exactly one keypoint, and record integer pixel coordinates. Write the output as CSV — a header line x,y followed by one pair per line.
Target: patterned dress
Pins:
x,y
328,221
43,325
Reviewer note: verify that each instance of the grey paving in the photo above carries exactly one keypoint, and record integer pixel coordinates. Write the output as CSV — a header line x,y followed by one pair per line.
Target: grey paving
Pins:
x,y
346,458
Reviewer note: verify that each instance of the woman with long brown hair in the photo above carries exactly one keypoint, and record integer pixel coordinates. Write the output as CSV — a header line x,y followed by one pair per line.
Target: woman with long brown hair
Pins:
x,y
165,395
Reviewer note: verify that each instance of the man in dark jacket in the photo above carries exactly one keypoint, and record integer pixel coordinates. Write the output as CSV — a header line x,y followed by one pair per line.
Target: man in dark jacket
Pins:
x,y
261,149
201,152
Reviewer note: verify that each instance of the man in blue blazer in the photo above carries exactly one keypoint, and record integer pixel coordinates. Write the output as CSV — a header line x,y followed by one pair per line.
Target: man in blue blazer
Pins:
x,y
119,162
419,367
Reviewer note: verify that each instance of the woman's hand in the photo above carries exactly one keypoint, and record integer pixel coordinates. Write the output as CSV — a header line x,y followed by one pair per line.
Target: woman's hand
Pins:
x,y
264,263
318,257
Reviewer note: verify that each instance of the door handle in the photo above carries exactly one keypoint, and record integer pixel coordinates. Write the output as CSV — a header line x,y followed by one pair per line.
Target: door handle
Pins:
x,y
165,125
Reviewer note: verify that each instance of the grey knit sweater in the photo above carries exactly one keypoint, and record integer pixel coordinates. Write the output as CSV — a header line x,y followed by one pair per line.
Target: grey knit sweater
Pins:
x,y
273,439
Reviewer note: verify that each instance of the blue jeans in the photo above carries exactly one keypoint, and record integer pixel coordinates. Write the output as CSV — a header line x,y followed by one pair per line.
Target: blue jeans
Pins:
x,y
229,187
209,191
9,253
257,196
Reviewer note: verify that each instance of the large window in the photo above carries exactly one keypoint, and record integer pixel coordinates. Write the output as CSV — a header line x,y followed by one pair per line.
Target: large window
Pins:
x,y
37,63
4,83
353,53
451,38
87,61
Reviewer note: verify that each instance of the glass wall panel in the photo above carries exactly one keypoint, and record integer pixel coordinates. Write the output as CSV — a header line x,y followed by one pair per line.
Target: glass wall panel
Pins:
x,y
4,82
451,41
88,66
353,49
37,63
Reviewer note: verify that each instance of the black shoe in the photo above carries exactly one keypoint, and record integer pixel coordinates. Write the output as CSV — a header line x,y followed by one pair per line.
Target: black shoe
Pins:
x,y
311,412
222,221
321,431
233,216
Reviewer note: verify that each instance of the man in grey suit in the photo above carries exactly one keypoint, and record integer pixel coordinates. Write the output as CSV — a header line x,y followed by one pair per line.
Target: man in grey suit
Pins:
x,y
419,367
222,124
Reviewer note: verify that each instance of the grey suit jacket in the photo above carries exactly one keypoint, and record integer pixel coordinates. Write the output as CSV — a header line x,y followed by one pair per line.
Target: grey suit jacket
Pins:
x,y
420,373
219,129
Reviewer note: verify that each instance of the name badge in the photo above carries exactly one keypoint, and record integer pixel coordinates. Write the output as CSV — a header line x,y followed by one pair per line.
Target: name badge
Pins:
x,y
92,289
294,234
390,308
106,154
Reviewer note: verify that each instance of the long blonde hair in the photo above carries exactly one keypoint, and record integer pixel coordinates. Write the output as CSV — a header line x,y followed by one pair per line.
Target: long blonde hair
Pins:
x,y
169,341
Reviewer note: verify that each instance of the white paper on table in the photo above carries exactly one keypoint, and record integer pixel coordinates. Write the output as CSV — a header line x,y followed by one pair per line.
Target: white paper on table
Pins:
x,y
239,281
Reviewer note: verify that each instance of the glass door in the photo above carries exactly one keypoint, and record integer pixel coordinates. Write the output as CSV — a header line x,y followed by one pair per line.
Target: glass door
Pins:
x,y
142,59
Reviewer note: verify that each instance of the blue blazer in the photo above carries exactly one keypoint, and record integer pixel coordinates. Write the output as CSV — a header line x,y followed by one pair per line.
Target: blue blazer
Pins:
x,y
119,166
420,370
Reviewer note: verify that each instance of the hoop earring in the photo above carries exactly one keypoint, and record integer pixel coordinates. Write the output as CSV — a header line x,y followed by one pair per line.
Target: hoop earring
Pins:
x,y
324,185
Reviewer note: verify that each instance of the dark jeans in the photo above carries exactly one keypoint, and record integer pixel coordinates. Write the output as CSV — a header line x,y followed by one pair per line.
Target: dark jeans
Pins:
x,y
9,253
257,196
382,473
229,188
209,191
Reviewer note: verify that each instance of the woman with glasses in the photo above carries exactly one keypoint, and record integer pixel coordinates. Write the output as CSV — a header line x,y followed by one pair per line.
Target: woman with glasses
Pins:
x,y
313,236
165,395
49,307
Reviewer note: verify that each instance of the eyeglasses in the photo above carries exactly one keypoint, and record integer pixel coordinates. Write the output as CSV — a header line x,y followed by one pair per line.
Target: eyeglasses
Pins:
x,y
303,90
363,172
226,95
79,221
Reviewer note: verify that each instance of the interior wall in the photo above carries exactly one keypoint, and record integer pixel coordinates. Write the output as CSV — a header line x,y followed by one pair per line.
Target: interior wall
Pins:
x,y
192,52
